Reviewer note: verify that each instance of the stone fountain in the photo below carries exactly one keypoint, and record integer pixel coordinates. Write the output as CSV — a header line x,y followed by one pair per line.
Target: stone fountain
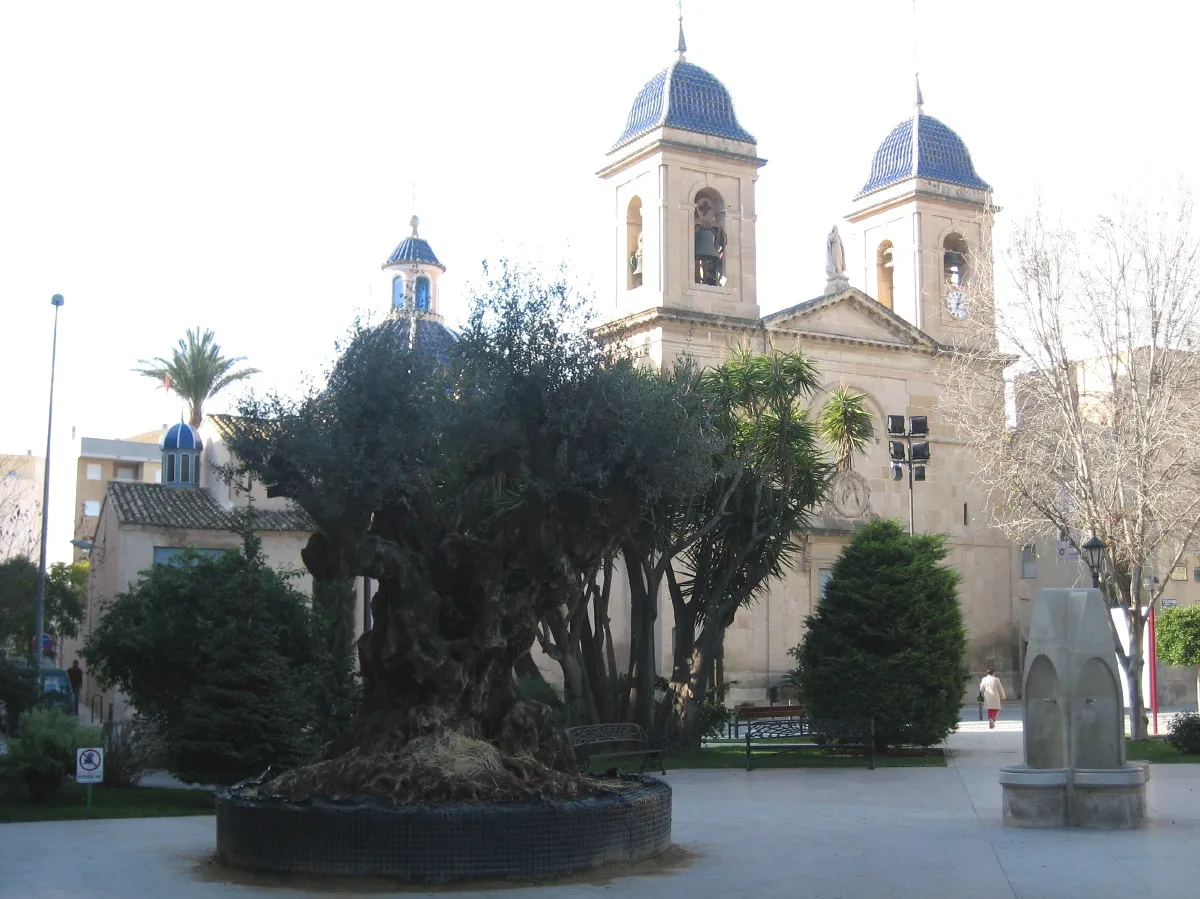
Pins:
x,y
1075,772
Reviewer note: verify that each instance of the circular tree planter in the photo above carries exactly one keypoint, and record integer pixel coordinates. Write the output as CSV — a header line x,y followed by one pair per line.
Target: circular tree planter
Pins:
x,y
427,843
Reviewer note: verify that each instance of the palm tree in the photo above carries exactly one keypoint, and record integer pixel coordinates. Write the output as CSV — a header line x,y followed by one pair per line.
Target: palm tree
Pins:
x,y
845,423
197,371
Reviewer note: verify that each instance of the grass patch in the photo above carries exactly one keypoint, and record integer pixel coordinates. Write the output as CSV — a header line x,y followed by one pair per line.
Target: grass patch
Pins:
x,y
1158,751
70,804
735,757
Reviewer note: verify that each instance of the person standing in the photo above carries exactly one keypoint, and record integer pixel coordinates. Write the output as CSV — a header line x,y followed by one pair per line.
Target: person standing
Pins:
x,y
75,676
992,692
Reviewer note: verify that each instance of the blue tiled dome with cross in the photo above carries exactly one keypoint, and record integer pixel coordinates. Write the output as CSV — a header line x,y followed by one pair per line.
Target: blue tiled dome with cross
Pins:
x,y
181,437
941,156
686,97
414,249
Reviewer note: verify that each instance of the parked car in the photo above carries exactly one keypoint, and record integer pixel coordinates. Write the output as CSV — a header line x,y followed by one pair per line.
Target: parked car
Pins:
x,y
58,691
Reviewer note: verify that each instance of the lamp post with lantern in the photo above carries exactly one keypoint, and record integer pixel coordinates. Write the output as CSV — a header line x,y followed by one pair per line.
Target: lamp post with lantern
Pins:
x,y
1093,555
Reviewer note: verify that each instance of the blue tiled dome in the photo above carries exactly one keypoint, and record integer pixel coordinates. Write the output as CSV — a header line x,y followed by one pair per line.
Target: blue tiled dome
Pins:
x,y
181,437
427,337
414,249
941,156
687,97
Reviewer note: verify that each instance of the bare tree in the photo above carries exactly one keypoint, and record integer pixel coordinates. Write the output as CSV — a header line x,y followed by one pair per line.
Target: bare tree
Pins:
x,y
1083,420
20,507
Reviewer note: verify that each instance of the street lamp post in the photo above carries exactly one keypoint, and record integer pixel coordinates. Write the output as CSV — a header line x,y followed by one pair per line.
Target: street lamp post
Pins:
x,y
40,614
904,453
1093,554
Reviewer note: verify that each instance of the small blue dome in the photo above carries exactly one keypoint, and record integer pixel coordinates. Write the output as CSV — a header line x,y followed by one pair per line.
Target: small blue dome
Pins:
x,y
687,97
941,156
414,249
181,437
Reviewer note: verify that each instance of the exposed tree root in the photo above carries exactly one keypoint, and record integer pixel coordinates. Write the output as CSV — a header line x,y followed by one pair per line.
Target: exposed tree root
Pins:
x,y
446,767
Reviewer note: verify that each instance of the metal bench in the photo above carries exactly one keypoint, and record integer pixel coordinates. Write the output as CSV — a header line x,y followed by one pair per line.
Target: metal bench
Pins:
x,y
826,733
613,741
746,713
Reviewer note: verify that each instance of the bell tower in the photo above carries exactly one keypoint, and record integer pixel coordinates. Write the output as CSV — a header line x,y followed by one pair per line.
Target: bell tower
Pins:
x,y
922,240
682,176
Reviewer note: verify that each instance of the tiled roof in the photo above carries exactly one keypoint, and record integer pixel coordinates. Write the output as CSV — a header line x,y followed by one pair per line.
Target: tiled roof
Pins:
x,y
687,97
414,249
941,156
191,507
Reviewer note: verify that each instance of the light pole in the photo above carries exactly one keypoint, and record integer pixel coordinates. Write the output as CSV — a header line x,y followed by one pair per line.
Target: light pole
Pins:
x,y
906,454
39,623
1093,554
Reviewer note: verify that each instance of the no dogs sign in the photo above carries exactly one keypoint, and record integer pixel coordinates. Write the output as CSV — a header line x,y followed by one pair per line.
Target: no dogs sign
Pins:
x,y
89,766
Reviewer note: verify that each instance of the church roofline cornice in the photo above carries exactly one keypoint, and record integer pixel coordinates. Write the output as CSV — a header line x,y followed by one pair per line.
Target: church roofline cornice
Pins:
x,y
637,322
918,339
883,199
663,143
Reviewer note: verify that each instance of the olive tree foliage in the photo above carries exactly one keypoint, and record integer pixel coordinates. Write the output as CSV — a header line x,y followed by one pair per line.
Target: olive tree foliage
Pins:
x,y
1096,351
477,491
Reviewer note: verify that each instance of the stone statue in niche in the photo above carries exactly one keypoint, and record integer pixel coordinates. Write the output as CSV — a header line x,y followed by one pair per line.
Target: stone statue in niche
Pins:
x,y
710,244
635,262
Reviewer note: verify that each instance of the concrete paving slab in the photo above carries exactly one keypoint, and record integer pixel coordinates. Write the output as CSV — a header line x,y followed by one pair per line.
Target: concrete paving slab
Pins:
x,y
800,834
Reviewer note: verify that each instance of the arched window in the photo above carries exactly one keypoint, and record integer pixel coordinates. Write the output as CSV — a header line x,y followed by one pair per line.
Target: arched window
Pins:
x,y
633,244
185,471
884,271
955,259
398,292
170,468
196,471
709,226
423,292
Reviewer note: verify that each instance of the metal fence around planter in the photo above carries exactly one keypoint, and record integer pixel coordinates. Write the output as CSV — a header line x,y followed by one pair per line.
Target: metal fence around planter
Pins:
x,y
426,843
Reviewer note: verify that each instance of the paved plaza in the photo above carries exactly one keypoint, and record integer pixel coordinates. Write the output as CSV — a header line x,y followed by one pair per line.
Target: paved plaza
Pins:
x,y
820,833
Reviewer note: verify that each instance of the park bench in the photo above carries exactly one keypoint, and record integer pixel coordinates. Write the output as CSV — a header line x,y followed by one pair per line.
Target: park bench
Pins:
x,y
613,741
746,713
827,733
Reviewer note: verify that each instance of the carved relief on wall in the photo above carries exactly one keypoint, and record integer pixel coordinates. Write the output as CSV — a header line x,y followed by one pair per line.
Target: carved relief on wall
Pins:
x,y
851,495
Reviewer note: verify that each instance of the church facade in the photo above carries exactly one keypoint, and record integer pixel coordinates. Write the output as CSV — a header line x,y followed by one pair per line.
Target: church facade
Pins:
x,y
683,176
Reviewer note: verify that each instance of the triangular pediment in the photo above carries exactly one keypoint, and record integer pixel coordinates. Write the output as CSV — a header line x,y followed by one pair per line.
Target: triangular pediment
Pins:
x,y
850,315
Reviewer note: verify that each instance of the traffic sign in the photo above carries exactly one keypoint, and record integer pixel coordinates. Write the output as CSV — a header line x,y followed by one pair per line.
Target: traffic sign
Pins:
x,y
89,766
48,644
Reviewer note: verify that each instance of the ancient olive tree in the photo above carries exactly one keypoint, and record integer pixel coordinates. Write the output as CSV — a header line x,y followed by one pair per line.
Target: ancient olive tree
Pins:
x,y
475,493
1097,354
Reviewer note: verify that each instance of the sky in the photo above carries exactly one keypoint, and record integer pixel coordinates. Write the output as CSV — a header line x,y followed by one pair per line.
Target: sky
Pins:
x,y
247,167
